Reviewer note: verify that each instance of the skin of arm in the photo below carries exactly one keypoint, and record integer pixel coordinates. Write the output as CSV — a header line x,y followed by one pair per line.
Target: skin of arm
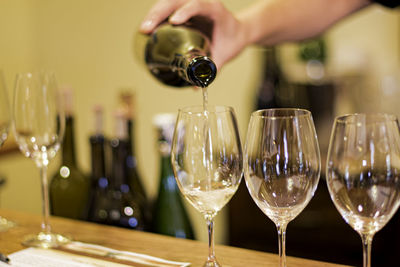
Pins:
x,y
271,22
266,22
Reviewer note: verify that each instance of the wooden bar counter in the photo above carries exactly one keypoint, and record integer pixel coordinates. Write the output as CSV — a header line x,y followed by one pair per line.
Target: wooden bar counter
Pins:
x,y
140,242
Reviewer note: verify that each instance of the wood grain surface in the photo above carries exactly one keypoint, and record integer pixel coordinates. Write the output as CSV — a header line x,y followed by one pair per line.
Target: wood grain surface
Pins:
x,y
140,242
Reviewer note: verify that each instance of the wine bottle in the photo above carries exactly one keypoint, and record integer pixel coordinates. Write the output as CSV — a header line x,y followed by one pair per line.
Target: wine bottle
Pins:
x,y
170,216
127,100
119,206
179,55
69,187
273,80
99,178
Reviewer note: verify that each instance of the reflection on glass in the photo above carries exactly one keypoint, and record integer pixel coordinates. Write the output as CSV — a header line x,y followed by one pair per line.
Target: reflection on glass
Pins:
x,y
363,172
39,129
207,161
282,165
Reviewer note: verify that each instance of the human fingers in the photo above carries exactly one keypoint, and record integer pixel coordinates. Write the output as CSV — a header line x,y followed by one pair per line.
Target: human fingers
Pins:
x,y
159,12
193,8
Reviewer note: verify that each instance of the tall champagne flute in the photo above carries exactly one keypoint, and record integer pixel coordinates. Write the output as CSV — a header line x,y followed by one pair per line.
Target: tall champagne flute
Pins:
x,y
39,128
281,165
5,123
206,157
363,172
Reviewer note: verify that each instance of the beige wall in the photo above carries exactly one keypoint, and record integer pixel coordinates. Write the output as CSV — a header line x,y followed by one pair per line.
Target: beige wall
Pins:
x,y
89,46
88,43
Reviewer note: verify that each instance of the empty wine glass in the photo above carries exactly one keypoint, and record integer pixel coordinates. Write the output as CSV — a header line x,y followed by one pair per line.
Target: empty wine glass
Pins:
x,y
281,165
206,157
39,128
363,172
5,122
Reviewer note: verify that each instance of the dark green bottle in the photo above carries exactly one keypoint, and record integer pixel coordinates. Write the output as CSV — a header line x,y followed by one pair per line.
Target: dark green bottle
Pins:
x,y
99,179
127,100
273,81
179,55
117,204
170,217
69,187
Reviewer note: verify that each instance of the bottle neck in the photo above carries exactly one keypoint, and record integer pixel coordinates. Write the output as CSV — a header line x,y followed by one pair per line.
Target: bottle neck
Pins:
x,y
270,91
272,67
68,147
98,157
167,179
165,165
119,175
131,136
196,68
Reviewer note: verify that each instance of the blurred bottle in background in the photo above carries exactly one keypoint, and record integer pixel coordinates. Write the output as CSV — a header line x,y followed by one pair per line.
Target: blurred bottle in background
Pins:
x,y
117,204
128,107
69,187
99,178
272,81
170,216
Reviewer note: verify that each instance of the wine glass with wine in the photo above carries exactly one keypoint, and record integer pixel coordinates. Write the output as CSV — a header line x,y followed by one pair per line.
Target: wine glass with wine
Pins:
x,y
39,129
281,165
206,157
5,123
363,172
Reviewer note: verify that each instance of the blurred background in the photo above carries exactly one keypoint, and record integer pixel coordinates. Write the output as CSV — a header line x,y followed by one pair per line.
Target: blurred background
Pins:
x,y
89,45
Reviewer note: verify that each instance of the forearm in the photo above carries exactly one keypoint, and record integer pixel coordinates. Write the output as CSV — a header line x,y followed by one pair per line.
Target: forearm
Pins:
x,y
269,22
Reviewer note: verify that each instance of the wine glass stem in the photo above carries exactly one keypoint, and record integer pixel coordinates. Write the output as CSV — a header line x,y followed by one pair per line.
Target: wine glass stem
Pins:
x,y
282,243
367,241
45,200
210,227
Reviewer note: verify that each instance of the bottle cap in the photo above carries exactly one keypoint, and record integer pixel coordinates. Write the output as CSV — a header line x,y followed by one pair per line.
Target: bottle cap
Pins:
x,y
165,123
127,99
121,131
67,93
98,119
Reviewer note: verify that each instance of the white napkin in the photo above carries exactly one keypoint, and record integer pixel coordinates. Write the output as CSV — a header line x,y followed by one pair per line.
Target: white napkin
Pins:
x,y
122,255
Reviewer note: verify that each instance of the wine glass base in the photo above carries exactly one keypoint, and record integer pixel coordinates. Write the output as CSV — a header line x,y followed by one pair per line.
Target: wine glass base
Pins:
x,y
5,224
46,240
212,263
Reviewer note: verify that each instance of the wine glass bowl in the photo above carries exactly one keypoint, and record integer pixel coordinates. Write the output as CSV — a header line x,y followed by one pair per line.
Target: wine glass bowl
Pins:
x,y
39,129
363,172
206,157
281,165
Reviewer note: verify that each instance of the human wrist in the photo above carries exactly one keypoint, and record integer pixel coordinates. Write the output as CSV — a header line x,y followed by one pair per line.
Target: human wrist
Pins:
x,y
247,33
259,23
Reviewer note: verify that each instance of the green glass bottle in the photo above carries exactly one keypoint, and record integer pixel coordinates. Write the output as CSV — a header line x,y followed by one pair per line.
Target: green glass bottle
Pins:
x,y
170,217
273,81
127,99
99,178
179,55
69,187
